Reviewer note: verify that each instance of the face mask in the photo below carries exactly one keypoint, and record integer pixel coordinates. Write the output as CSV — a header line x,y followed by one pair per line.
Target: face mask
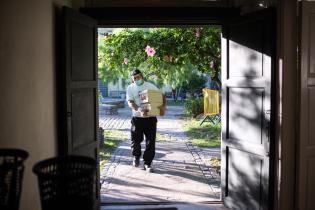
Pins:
x,y
139,82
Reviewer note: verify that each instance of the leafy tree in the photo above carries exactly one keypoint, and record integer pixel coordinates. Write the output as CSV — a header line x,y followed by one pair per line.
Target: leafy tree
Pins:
x,y
166,55
194,83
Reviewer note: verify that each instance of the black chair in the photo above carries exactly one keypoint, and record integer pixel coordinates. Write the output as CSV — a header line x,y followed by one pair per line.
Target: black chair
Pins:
x,y
67,182
11,177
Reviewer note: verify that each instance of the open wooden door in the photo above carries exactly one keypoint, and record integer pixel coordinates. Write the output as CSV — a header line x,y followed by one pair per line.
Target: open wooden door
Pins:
x,y
79,88
306,138
248,52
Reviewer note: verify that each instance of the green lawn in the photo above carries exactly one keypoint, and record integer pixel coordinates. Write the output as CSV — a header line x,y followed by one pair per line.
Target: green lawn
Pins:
x,y
160,137
112,139
206,135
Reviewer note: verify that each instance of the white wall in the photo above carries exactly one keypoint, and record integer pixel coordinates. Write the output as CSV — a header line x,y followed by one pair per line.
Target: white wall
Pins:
x,y
27,85
116,88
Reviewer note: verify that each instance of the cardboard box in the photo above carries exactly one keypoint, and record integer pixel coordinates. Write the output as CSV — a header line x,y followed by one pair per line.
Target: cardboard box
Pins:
x,y
153,108
151,96
151,100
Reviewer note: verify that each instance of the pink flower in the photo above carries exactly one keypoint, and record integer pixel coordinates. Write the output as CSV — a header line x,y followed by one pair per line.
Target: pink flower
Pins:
x,y
150,51
125,61
147,48
211,64
197,34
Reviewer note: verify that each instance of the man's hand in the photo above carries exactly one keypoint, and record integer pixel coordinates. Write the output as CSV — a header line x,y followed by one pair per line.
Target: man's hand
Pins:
x,y
144,112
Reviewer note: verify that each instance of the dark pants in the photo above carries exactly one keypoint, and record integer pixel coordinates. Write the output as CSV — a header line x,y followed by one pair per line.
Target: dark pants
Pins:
x,y
139,127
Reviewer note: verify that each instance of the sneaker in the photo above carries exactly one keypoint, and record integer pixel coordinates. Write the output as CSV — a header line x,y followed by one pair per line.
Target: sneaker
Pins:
x,y
136,162
148,168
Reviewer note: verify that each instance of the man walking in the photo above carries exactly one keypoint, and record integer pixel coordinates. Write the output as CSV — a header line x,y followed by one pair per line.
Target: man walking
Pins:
x,y
141,123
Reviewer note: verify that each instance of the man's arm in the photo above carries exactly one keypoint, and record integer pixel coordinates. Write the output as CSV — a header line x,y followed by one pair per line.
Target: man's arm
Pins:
x,y
133,105
130,99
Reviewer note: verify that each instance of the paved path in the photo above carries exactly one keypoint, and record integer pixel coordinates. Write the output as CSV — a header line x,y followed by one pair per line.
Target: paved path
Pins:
x,y
181,172
177,177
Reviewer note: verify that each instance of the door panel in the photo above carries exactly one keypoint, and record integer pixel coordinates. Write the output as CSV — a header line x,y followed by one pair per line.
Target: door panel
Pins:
x,y
246,105
238,70
244,180
247,111
83,117
311,125
250,65
79,78
306,140
83,52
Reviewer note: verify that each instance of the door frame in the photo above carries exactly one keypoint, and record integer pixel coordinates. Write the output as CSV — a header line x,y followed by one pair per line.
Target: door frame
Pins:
x,y
112,17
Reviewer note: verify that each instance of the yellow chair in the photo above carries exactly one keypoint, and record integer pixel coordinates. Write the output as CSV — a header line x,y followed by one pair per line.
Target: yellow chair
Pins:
x,y
211,105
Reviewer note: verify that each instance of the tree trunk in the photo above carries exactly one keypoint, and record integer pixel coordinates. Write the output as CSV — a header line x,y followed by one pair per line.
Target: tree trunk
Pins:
x,y
216,83
174,94
177,93
215,79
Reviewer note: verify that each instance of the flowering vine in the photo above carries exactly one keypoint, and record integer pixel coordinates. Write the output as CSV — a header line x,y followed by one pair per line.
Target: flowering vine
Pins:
x,y
150,51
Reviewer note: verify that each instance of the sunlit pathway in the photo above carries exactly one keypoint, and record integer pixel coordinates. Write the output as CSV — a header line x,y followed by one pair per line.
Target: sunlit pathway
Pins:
x,y
177,177
180,174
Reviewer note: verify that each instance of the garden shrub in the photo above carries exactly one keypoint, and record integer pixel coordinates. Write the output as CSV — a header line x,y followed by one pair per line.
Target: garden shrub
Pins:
x,y
194,107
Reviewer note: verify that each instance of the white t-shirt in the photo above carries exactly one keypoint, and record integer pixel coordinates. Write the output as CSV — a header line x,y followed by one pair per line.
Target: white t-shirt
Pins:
x,y
132,93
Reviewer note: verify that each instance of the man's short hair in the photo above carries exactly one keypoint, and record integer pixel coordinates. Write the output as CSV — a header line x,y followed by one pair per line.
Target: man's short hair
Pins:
x,y
135,72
